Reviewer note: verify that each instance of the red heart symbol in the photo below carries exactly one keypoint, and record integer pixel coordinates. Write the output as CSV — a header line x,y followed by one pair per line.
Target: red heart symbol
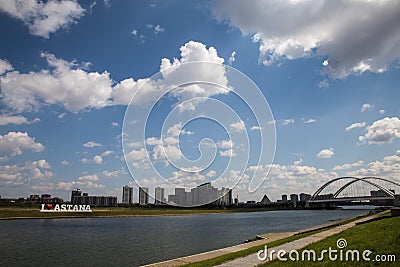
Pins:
x,y
49,206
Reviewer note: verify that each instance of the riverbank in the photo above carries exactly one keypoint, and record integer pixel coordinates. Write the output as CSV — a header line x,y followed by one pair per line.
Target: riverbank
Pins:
x,y
245,254
10,213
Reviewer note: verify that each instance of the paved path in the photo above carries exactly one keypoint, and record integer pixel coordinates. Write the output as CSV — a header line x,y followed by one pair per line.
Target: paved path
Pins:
x,y
252,260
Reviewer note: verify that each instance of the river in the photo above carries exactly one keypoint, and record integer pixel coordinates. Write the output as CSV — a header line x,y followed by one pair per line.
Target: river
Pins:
x,y
133,241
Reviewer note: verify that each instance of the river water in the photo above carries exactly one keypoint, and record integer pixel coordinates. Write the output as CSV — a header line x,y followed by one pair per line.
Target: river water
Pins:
x,y
133,241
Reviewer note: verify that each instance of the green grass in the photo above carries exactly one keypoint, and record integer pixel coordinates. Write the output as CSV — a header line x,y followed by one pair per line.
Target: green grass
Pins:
x,y
33,212
382,237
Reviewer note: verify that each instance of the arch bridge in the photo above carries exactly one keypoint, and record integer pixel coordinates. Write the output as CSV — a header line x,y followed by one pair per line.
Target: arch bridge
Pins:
x,y
347,190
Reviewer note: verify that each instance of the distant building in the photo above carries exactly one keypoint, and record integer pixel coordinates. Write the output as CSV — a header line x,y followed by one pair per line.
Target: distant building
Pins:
x,y
75,193
201,195
127,194
159,195
77,198
143,195
284,198
294,198
304,197
265,200
237,200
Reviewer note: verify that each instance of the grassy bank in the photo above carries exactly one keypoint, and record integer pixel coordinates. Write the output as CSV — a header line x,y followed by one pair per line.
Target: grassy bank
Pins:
x,y
20,212
231,256
382,237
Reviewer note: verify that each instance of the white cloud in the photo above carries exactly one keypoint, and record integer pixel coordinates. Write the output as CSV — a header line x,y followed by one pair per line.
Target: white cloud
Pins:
x,y
227,153
15,142
97,159
65,163
232,58
323,84
238,126
89,177
106,153
226,144
366,106
134,32
149,89
310,121
325,153
61,115
287,122
10,119
355,125
348,166
92,144
67,84
296,29
381,111
116,173
5,66
43,18
158,29
31,170
382,131
211,173
176,130
255,127
114,124
389,168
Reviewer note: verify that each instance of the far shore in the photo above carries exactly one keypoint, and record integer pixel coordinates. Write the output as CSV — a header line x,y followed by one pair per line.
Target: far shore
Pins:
x,y
11,213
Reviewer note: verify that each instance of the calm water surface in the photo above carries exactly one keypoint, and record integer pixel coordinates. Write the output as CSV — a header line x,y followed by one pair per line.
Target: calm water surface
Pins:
x,y
133,241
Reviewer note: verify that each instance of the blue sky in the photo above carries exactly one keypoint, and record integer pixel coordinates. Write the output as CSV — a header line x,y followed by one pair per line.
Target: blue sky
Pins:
x,y
329,71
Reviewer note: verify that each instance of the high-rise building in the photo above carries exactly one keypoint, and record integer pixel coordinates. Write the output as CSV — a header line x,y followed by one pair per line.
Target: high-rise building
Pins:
x,y
304,197
159,195
201,195
143,195
75,193
294,198
284,198
127,194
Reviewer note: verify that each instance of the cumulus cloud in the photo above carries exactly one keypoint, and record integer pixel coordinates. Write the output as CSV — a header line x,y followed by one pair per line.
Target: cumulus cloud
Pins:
x,y
325,153
348,166
238,126
388,167
382,131
116,173
65,163
10,119
5,66
189,52
72,86
351,44
227,153
158,29
31,170
43,18
366,106
67,84
15,142
287,122
355,125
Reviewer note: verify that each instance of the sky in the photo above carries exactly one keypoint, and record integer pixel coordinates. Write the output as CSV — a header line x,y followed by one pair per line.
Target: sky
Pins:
x,y
267,97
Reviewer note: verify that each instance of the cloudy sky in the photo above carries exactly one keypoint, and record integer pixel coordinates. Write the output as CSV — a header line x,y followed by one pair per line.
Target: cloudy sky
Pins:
x,y
328,70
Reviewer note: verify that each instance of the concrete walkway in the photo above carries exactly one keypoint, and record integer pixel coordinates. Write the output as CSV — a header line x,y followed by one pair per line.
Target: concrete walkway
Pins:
x,y
252,260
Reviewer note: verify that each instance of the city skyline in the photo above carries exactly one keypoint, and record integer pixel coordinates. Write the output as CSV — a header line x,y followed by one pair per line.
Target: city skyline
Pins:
x,y
330,82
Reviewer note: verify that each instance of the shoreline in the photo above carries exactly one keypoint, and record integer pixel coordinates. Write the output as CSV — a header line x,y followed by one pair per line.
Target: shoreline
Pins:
x,y
24,214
